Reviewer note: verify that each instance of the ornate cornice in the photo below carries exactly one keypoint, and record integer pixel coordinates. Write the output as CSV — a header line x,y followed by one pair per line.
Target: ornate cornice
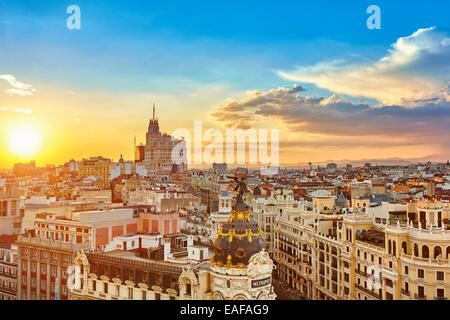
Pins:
x,y
239,215
232,233
227,265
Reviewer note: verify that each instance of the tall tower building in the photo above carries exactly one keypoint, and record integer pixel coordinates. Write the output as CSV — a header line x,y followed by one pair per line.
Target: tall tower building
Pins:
x,y
160,156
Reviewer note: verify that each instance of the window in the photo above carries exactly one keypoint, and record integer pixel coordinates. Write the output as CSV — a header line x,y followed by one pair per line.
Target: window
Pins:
x,y
389,283
420,273
406,269
440,275
421,292
346,277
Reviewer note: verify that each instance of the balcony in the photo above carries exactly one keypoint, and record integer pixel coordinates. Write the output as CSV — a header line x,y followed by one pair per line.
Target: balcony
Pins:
x,y
362,273
9,290
406,293
413,259
369,292
433,234
440,298
58,244
417,297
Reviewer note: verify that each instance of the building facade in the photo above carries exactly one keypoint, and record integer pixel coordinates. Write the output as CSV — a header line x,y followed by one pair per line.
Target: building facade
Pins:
x,y
163,153
97,167
43,265
8,269
351,255
10,211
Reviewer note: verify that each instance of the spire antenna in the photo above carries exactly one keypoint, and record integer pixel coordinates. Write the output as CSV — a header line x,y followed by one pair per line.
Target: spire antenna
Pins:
x,y
154,111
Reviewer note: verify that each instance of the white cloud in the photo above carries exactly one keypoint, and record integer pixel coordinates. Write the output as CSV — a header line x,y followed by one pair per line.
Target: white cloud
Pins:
x,y
18,88
415,68
338,121
15,109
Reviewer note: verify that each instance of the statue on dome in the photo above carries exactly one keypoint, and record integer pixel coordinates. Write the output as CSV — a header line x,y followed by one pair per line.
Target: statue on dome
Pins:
x,y
241,188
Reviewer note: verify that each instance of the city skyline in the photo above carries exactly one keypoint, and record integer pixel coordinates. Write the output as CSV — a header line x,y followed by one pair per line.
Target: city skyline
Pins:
x,y
336,90
238,153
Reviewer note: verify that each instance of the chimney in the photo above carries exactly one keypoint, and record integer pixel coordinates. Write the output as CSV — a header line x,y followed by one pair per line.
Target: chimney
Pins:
x,y
166,249
190,241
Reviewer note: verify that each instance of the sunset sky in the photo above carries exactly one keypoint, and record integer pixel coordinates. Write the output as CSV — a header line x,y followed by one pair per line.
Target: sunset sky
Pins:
x,y
312,69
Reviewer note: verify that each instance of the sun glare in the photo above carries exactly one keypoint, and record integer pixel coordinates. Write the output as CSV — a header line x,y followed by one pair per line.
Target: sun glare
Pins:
x,y
24,140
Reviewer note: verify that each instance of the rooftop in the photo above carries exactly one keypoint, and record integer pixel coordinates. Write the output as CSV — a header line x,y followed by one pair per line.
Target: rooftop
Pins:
x,y
373,237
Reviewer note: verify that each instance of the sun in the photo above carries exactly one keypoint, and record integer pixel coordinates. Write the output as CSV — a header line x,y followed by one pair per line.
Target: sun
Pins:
x,y
24,140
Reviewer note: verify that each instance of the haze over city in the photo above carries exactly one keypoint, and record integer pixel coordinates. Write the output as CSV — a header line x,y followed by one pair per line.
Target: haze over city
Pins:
x,y
237,152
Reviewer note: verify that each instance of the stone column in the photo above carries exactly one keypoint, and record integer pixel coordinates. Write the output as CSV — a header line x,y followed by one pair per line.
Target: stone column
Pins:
x,y
38,279
29,278
19,274
48,281
58,280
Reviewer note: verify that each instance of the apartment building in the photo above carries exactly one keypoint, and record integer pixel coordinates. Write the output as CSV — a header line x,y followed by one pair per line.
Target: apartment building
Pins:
x,y
348,254
97,167
43,267
10,210
8,268
46,252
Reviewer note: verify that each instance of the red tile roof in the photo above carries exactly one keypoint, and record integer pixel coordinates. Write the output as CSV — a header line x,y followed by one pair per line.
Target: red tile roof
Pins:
x,y
4,238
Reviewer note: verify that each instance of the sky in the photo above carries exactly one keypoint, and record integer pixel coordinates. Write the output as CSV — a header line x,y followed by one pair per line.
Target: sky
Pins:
x,y
312,69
